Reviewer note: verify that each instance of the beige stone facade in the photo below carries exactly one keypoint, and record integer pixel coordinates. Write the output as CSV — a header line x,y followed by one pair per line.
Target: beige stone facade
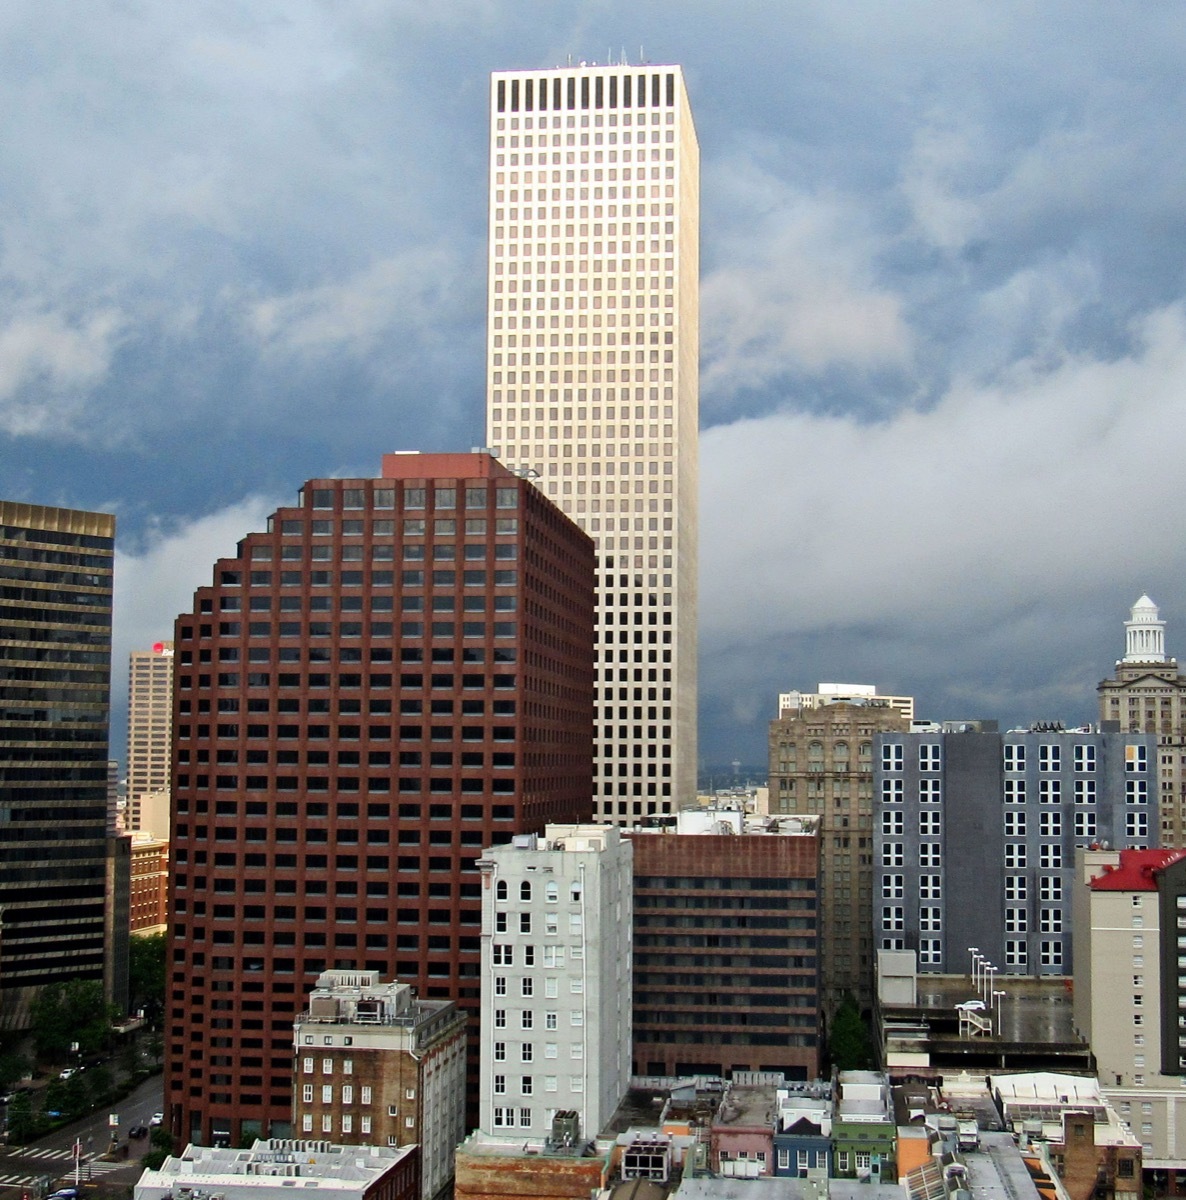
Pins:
x,y
150,734
1117,998
821,763
593,381
1150,697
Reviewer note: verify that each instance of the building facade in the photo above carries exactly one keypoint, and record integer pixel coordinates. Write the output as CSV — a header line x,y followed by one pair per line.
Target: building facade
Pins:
x,y
149,883
60,887
556,985
392,676
374,1066
726,946
842,693
150,732
1130,995
593,381
976,834
821,763
1147,694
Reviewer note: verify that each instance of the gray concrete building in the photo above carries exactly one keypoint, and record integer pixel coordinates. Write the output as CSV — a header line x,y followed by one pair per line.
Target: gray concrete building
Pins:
x,y
975,836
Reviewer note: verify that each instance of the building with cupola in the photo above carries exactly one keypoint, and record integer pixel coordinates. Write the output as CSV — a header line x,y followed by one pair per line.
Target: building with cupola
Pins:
x,y
1147,694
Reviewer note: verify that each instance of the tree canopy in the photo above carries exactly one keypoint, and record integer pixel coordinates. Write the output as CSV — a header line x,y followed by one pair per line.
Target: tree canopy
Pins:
x,y
65,1013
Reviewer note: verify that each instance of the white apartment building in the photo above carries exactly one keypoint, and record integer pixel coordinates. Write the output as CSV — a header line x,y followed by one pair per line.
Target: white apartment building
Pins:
x,y
557,919
593,381
1130,990
843,693
150,731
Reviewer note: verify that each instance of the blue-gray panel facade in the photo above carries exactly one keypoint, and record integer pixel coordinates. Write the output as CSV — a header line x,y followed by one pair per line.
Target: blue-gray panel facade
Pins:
x,y
975,836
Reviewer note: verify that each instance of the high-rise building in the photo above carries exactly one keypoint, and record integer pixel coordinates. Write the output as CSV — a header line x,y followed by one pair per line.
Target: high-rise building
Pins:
x,y
1147,694
150,731
58,916
726,946
375,1066
1130,994
556,987
821,764
976,835
593,386
394,675
793,703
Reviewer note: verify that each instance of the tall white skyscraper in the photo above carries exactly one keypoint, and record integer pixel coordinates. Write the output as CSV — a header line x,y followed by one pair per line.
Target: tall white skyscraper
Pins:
x,y
593,381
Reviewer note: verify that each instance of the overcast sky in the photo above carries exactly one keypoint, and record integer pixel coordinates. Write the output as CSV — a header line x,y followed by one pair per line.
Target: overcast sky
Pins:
x,y
943,306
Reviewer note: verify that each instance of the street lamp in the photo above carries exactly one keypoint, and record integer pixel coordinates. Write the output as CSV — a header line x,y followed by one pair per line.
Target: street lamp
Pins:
x,y
974,951
999,996
989,972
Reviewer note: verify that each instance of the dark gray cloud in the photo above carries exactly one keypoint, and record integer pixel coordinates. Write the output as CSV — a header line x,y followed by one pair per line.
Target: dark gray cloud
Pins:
x,y
243,244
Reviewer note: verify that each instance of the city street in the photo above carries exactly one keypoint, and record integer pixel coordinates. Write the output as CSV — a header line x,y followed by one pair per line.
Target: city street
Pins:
x,y
23,1168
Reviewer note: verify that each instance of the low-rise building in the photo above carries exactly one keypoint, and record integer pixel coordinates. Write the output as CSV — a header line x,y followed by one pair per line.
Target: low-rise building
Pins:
x,y
741,1137
376,1066
1090,1146
273,1168
864,1133
803,1129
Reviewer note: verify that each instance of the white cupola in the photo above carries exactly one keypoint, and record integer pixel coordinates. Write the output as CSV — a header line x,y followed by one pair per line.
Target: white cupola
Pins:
x,y
1144,633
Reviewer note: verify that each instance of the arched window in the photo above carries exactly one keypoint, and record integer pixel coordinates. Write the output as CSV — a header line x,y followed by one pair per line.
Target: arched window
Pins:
x,y
525,890
551,891
500,890
576,893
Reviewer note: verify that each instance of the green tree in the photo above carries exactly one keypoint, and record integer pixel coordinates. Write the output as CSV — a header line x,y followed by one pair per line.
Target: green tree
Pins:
x,y
75,1097
146,975
100,1083
12,1068
63,1014
21,1123
849,1046
54,1099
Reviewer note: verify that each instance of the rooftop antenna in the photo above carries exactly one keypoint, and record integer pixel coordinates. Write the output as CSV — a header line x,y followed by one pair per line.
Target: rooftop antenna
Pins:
x,y
641,57
625,60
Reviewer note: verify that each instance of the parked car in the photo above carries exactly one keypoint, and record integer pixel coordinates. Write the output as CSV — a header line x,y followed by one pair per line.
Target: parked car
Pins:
x,y
68,1073
157,1118
138,1131
64,1194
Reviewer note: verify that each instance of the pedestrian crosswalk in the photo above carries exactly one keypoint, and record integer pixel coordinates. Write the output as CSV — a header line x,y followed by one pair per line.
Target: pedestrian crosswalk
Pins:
x,y
55,1165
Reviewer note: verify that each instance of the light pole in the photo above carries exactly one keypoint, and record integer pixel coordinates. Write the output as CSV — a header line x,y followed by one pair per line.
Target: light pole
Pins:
x,y
989,972
999,997
974,951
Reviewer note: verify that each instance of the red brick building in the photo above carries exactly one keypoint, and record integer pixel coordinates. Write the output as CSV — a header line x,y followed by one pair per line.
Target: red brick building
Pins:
x,y
726,948
149,883
396,673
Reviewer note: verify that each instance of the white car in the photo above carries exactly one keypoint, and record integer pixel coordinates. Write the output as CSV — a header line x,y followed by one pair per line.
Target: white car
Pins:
x,y
156,1119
